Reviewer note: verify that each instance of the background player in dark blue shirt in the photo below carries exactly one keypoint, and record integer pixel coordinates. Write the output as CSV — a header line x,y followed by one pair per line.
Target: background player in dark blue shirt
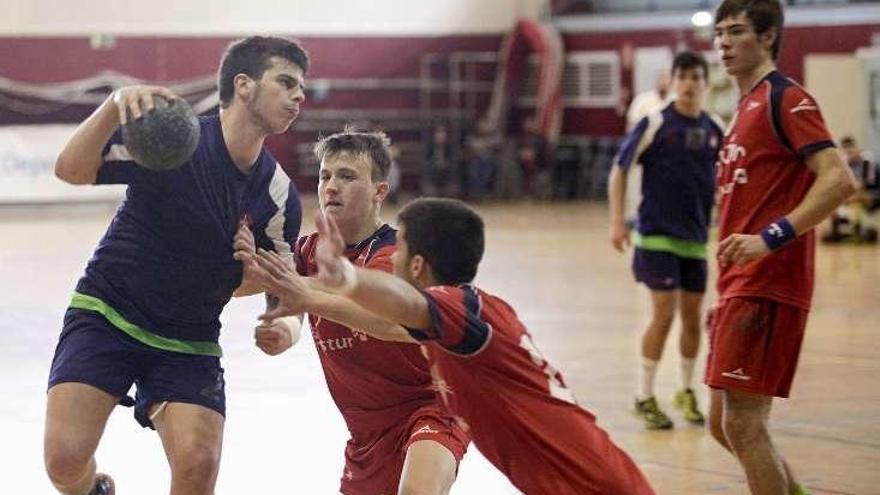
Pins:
x,y
676,147
146,311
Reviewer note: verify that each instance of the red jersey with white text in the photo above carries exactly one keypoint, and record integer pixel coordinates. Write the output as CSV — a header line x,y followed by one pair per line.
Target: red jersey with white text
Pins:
x,y
762,177
514,404
375,384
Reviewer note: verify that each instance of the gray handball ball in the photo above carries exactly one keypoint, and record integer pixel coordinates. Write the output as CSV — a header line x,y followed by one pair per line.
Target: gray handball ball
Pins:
x,y
165,138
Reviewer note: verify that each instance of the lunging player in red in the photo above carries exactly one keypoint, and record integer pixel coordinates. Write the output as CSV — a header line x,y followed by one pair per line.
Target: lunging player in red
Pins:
x,y
490,375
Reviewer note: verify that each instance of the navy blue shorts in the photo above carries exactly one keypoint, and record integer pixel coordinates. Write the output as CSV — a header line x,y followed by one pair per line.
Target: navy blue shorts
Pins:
x,y
660,270
93,351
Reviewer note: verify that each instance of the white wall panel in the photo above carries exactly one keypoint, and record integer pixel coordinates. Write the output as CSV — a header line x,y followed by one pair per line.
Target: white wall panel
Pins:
x,y
300,17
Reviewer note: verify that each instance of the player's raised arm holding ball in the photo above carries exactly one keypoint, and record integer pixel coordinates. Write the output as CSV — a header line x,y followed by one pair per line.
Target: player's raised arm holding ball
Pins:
x,y
146,310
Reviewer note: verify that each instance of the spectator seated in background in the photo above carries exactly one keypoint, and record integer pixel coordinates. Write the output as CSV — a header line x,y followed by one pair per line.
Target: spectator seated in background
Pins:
x,y
649,101
483,149
857,219
439,165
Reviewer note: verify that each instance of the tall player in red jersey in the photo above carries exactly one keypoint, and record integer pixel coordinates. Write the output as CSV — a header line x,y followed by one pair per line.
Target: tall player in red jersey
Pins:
x,y
488,372
402,439
778,177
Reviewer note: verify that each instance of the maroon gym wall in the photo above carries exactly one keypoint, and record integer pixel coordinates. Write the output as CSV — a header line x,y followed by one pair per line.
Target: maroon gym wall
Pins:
x,y
797,43
62,59
55,59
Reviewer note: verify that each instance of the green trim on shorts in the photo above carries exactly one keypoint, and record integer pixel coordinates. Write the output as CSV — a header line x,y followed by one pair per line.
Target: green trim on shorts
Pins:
x,y
91,303
678,247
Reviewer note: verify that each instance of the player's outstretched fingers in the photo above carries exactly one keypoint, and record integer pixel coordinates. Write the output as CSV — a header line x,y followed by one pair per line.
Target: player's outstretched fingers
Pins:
x,y
274,266
254,271
329,232
336,236
275,261
320,224
328,254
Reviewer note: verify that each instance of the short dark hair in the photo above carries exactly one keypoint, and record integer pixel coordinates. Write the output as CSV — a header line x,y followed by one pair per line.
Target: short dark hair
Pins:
x,y
251,56
448,234
764,14
690,60
374,145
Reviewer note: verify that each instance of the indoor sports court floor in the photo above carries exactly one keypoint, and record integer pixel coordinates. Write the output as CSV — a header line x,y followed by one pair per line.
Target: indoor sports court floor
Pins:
x,y
553,263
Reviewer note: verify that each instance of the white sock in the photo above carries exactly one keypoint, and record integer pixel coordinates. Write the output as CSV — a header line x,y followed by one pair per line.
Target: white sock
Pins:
x,y
647,372
687,372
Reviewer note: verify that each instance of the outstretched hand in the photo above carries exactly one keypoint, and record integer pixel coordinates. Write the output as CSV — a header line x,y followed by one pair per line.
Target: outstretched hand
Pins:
x,y
329,253
277,276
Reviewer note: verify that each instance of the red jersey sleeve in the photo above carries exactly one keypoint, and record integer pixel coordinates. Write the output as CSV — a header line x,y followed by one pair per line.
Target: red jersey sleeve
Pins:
x,y
456,324
802,122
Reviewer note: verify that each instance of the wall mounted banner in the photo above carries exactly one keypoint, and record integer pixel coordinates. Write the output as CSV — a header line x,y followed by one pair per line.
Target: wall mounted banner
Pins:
x,y
27,162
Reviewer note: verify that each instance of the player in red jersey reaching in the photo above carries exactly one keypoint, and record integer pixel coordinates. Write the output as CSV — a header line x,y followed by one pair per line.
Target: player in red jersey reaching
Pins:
x,y
486,368
778,178
402,440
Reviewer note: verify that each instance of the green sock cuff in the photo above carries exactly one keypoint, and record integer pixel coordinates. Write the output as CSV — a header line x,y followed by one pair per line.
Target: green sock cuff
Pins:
x,y
800,490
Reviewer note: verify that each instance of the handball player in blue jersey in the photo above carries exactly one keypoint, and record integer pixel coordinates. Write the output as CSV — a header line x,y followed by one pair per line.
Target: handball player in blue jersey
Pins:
x,y
676,147
146,311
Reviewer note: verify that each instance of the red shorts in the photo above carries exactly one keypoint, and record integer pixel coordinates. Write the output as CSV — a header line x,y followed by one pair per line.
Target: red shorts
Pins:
x,y
373,461
754,345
